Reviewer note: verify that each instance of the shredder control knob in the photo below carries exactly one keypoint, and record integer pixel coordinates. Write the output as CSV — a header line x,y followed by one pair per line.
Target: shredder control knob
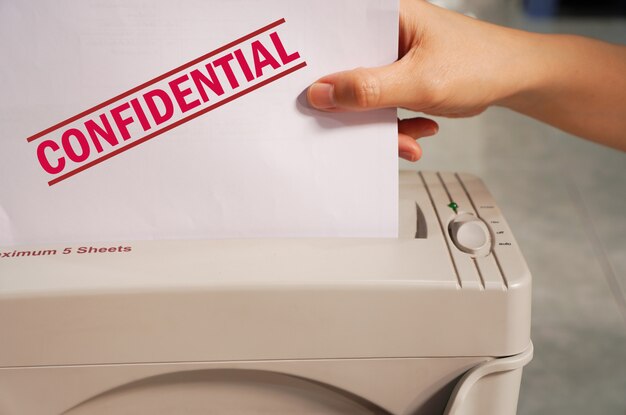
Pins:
x,y
470,234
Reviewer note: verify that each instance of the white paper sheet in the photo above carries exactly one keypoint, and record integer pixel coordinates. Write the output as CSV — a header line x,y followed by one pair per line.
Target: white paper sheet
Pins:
x,y
259,165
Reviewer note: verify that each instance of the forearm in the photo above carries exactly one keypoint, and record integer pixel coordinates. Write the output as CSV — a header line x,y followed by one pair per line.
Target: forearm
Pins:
x,y
576,84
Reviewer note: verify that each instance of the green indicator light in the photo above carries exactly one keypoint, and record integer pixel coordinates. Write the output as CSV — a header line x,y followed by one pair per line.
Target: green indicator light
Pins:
x,y
453,206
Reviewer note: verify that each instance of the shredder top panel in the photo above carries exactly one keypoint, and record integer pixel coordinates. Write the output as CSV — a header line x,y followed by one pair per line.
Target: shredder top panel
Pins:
x,y
453,284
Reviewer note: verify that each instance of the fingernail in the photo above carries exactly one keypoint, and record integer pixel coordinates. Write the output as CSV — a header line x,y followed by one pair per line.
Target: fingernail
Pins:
x,y
407,156
321,96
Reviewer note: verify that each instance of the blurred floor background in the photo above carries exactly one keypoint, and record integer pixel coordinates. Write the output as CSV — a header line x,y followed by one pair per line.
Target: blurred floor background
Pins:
x,y
565,199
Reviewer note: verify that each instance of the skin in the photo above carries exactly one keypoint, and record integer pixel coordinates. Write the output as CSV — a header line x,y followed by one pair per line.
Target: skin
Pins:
x,y
454,66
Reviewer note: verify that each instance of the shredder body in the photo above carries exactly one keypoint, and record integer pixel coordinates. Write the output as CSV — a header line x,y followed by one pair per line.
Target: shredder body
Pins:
x,y
435,321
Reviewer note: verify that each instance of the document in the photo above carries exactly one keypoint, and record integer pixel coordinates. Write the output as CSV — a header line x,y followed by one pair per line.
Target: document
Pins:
x,y
146,120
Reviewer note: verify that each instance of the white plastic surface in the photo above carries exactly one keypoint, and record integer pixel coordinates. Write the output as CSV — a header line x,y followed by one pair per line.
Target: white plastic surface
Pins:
x,y
204,300
355,386
491,387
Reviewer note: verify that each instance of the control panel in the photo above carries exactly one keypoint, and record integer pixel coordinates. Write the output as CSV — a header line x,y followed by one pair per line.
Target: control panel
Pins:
x,y
473,229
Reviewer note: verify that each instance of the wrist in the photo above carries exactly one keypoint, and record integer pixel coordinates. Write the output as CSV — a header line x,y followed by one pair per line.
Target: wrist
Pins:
x,y
528,71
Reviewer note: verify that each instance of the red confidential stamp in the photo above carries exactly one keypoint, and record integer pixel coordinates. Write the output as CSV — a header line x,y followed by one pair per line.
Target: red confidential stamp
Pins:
x,y
165,102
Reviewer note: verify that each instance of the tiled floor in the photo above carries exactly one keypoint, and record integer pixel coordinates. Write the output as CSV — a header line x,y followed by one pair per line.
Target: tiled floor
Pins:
x,y
565,199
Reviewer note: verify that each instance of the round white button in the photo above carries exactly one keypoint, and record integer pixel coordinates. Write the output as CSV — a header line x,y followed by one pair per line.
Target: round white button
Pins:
x,y
470,234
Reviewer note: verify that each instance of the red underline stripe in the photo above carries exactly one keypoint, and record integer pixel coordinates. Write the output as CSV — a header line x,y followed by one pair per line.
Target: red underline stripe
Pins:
x,y
176,124
157,79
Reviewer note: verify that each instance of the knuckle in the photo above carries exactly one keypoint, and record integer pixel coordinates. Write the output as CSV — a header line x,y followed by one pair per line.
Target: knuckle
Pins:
x,y
434,96
434,92
367,89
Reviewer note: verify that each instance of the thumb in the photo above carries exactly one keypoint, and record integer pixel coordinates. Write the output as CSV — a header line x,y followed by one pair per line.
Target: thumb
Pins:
x,y
364,89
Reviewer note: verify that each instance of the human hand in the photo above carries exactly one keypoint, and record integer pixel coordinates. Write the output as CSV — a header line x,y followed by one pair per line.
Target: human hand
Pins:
x,y
450,65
